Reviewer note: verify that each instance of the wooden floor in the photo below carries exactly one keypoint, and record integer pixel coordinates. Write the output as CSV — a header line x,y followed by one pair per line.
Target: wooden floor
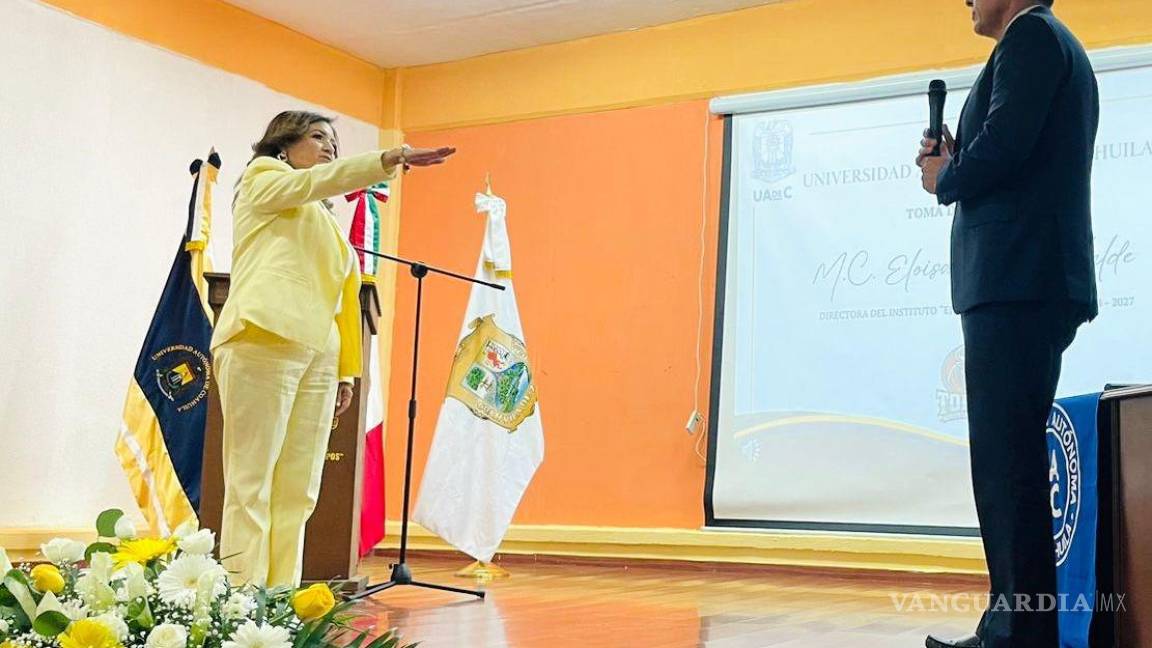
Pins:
x,y
560,604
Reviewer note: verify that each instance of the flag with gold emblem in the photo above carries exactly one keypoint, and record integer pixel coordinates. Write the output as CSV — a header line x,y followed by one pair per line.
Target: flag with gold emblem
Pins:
x,y
161,440
489,440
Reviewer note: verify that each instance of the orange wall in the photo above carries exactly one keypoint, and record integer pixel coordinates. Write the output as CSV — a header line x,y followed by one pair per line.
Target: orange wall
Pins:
x,y
604,217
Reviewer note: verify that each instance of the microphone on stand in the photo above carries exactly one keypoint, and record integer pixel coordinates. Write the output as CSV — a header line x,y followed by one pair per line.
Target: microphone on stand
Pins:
x,y
937,94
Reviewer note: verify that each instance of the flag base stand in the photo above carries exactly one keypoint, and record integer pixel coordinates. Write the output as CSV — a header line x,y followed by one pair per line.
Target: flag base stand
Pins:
x,y
483,571
401,573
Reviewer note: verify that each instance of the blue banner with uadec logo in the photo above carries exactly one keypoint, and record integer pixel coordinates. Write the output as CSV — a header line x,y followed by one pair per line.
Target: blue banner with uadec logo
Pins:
x,y
1072,475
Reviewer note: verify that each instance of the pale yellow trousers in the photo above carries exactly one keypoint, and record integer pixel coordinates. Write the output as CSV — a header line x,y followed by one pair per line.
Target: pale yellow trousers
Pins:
x,y
278,399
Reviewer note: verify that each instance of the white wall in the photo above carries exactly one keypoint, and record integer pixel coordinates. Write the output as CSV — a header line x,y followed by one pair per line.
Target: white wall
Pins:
x,y
96,134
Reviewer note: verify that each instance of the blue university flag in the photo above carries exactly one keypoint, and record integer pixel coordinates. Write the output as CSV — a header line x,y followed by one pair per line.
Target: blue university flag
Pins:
x,y
161,440
1072,475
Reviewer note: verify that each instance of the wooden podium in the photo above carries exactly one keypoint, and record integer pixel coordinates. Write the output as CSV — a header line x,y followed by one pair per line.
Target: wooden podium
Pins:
x,y
1124,565
332,537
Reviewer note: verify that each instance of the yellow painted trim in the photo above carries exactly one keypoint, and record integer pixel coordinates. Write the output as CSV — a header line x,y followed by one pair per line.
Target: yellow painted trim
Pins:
x,y
851,551
20,539
23,545
773,46
391,105
386,275
888,553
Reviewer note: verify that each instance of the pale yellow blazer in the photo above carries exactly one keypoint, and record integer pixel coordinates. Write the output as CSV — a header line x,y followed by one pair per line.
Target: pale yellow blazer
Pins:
x,y
290,260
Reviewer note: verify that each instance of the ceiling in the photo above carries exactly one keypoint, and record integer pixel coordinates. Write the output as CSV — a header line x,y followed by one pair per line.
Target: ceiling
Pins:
x,y
395,33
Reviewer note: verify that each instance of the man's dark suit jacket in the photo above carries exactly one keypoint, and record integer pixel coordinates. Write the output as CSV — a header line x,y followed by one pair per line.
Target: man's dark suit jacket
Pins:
x,y
1021,172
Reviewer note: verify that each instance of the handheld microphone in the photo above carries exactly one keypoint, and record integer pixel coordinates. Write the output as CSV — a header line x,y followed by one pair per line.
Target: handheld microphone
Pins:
x,y
937,94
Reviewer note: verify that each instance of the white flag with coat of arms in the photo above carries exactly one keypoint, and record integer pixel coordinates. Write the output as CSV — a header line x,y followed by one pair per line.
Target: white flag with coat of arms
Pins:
x,y
489,440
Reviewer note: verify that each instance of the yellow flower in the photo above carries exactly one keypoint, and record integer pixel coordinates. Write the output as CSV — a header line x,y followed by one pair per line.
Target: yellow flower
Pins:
x,y
88,633
47,578
143,550
312,603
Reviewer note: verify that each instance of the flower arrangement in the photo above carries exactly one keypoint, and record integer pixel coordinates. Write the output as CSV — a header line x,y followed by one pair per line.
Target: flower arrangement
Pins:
x,y
125,591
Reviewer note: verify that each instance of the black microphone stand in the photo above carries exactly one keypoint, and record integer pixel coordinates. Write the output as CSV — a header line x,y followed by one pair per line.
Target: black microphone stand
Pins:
x,y
401,574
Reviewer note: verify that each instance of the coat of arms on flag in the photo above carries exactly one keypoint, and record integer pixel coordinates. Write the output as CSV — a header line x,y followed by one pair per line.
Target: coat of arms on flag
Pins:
x,y
161,440
489,438
491,375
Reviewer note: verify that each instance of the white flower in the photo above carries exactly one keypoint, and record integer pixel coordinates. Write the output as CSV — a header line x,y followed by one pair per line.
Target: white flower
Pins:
x,y
4,627
181,581
63,551
5,564
167,635
115,624
97,595
238,606
75,610
125,530
100,567
199,543
251,635
136,584
186,529
49,604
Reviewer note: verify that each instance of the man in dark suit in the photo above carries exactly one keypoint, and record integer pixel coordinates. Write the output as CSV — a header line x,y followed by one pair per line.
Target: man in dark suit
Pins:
x,y
1022,281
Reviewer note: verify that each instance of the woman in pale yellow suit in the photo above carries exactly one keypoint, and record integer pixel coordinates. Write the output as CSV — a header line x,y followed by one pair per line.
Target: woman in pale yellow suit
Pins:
x,y
287,343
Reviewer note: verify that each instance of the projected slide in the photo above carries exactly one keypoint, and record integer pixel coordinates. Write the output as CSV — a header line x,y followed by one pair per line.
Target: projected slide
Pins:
x,y
841,395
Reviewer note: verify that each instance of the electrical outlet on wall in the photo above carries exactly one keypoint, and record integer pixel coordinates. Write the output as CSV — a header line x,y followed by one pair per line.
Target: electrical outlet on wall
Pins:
x,y
694,421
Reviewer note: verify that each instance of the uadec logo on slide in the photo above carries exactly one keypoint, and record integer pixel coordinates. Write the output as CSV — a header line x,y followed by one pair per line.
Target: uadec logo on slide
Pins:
x,y
772,159
1064,479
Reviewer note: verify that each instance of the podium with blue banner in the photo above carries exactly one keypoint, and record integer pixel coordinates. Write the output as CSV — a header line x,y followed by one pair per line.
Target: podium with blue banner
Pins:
x,y
1099,450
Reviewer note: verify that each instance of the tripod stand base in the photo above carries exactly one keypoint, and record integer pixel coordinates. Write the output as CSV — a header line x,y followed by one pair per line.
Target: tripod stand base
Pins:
x,y
402,575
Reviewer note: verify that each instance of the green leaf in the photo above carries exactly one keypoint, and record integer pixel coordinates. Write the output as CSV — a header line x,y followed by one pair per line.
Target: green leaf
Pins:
x,y
99,547
140,612
136,608
19,619
389,639
306,633
51,624
19,576
301,637
6,598
386,640
17,584
359,641
198,634
106,523
261,604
